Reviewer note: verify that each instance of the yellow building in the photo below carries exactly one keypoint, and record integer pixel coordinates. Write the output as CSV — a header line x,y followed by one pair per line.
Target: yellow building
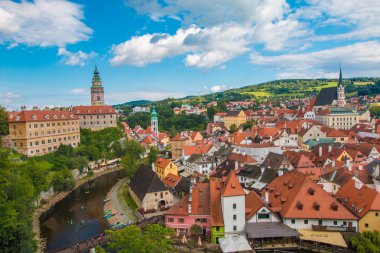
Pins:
x,y
38,132
364,202
181,140
234,117
163,167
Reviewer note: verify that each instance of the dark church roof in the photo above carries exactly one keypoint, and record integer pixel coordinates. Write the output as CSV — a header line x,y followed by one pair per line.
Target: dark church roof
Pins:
x,y
326,96
146,181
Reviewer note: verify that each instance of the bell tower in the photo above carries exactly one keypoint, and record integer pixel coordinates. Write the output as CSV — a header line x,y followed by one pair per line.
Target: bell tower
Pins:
x,y
97,90
154,121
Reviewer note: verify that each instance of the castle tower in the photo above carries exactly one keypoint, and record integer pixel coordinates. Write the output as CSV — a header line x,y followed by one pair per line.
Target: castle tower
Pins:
x,y
340,91
97,90
154,121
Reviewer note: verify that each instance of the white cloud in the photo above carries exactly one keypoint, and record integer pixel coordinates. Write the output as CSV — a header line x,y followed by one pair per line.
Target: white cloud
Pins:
x,y
361,16
215,32
218,88
42,23
8,98
75,58
79,91
359,59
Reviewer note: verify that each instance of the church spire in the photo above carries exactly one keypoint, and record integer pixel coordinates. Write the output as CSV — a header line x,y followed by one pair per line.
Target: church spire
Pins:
x,y
340,82
97,90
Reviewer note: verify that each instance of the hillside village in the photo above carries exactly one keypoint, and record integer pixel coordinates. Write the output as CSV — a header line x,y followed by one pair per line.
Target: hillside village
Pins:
x,y
302,173
293,174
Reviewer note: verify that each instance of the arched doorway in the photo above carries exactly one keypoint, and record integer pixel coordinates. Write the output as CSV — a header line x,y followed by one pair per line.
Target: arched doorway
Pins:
x,y
161,204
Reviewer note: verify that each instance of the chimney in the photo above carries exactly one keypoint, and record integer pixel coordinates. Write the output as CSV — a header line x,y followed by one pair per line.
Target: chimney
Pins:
x,y
329,148
280,173
270,138
333,163
266,195
360,167
348,164
153,167
262,170
236,165
320,151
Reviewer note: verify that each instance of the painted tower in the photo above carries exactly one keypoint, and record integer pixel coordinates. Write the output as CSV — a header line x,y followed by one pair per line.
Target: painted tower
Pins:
x,y
97,90
340,91
154,120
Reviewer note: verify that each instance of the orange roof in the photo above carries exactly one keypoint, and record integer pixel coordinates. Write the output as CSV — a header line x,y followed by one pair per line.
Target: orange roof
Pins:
x,y
162,162
359,200
198,149
253,203
295,195
147,140
242,158
40,115
93,109
232,186
179,208
215,202
171,180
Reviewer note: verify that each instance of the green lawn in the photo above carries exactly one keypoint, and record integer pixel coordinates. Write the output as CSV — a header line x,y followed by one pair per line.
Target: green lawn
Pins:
x,y
44,164
363,83
259,93
128,199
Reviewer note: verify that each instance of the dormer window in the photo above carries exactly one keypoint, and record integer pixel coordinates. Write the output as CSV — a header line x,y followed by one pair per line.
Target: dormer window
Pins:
x,y
63,116
311,191
46,116
17,118
34,117
55,116
334,206
316,206
299,205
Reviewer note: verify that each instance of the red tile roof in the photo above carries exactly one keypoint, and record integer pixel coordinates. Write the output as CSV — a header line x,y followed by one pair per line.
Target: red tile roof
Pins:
x,y
40,116
358,199
93,109
232,186
215,202
295,195
171,180
253,203
162,162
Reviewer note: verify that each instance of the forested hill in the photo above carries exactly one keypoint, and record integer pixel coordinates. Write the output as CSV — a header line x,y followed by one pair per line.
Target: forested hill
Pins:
x,y
299,88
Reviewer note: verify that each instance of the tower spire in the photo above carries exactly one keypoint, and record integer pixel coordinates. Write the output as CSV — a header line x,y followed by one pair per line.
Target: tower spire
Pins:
x,y
97,90
340,82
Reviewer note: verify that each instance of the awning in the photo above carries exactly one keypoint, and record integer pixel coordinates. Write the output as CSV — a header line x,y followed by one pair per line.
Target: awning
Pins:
x,y
258,230
332,238
234,244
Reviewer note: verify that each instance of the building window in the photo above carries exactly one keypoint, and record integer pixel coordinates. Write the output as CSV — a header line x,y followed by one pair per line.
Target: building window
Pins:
x,y
293,221
234,217
181,220
235,228
234,206
263,216
171,220
344,223
335,222
217,229
376,214
366,225
320,222
306,222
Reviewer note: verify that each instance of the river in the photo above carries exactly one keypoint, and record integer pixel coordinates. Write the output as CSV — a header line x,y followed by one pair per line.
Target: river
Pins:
x,y
56,224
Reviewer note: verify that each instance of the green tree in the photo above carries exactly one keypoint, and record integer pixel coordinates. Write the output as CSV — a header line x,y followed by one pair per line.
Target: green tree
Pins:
x,y
3,121
211,111
152,156
131,239
233,128
367,242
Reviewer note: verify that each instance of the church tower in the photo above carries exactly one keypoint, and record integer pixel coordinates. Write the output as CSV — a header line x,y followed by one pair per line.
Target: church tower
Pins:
x,y
97,90
154,121
340,91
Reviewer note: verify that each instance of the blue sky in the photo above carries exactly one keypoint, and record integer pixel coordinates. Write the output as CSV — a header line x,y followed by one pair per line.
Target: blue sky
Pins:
x,y
172,48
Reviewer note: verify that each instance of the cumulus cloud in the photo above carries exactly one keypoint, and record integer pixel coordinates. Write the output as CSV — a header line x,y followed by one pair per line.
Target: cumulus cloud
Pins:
x,y
75,58
214,31
361,58
42,23
218,88
6,99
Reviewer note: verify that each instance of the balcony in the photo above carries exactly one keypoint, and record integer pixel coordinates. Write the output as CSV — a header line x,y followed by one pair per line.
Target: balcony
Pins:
x,y
333,228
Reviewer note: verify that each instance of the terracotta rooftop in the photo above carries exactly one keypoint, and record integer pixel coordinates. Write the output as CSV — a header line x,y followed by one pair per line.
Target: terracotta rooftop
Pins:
x,y
295,195
40,116
232,186
93,109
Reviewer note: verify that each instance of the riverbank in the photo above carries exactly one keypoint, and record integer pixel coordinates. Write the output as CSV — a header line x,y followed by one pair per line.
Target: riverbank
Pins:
x,y
43,208
117,205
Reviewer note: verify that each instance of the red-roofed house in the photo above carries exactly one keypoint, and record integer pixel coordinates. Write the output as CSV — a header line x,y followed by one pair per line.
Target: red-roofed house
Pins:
x,y
95,117
163,167
303,204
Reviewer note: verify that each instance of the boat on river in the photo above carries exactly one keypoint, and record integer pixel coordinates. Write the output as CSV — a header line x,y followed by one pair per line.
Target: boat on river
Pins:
x,y
107,216
106,200
107,211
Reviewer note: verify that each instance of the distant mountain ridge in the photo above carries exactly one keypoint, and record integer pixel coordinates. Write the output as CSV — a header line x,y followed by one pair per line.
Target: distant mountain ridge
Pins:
x,y
285,88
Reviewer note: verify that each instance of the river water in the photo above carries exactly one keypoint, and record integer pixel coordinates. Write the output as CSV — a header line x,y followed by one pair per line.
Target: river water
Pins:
x,y
61,225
